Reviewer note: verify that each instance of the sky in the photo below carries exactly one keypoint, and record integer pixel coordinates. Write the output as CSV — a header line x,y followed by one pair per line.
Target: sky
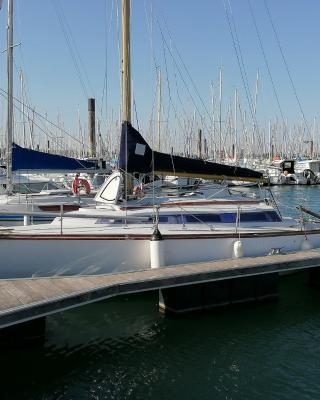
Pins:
x,y
68,50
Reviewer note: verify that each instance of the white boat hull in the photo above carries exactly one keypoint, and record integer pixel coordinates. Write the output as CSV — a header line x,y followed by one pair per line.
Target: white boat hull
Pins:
x,y
67,255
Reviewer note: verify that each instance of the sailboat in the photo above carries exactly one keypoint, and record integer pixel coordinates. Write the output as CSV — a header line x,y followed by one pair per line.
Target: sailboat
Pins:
x,y
207,223
14,203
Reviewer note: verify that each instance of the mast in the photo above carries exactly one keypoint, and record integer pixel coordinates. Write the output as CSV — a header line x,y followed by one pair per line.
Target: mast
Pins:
x,y
200,144
270,143
23,109
10,95
313,136
126,87
213,133
235,153
220,114
126,71
254,130
159,109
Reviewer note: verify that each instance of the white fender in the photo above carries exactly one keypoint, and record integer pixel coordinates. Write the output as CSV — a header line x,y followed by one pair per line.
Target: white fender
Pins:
x,y
157,258
237,249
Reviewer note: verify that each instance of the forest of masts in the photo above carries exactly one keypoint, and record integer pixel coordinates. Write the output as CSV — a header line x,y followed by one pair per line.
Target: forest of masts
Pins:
x,y
223,133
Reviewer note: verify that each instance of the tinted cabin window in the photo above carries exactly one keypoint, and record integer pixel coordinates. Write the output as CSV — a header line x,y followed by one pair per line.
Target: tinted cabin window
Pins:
x,y
170,219
208,218
259,217
226,218
287,164
229,218
272,216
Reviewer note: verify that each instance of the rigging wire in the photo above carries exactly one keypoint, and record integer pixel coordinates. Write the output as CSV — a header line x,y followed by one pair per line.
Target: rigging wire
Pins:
x,y
287,67
265,60
151,121
4,94
150,28
155,65
237,48
118,16
76,50
52,137
166,119
178,92
169,90
22,54
136,113
75,55
190,77
187,71
105,89
182,77
108,25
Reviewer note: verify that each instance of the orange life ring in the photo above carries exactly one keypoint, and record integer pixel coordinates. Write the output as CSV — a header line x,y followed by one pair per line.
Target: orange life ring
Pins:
x,y
80,184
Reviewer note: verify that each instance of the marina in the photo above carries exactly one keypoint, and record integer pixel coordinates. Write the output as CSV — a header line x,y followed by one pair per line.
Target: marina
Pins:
x,y
175,195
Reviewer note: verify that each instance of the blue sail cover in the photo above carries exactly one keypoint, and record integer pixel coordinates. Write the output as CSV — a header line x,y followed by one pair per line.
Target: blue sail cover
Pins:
x,y
32,160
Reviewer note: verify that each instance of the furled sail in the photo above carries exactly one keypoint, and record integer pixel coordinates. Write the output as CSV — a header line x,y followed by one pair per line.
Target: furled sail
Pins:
x,y
32,160
137,156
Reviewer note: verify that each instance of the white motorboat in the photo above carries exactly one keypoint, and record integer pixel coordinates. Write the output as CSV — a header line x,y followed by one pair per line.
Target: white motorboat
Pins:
x,y
284,172
310,169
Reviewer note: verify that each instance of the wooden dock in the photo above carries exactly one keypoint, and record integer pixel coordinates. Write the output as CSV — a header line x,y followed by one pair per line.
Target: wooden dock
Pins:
x,y
23,300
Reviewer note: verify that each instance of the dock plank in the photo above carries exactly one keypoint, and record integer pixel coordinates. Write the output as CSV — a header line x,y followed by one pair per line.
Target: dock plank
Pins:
x,y
15,291
25,299
7,300
44,287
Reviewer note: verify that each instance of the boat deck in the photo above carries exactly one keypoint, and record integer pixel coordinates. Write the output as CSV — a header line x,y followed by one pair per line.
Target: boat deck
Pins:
x,y
26,299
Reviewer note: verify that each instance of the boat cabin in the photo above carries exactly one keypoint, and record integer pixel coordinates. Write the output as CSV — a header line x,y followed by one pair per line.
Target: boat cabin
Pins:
x,y
285,165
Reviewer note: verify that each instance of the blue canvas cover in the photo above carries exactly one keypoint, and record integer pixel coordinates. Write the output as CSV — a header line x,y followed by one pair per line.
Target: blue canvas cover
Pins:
x,y
32,160
137,156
